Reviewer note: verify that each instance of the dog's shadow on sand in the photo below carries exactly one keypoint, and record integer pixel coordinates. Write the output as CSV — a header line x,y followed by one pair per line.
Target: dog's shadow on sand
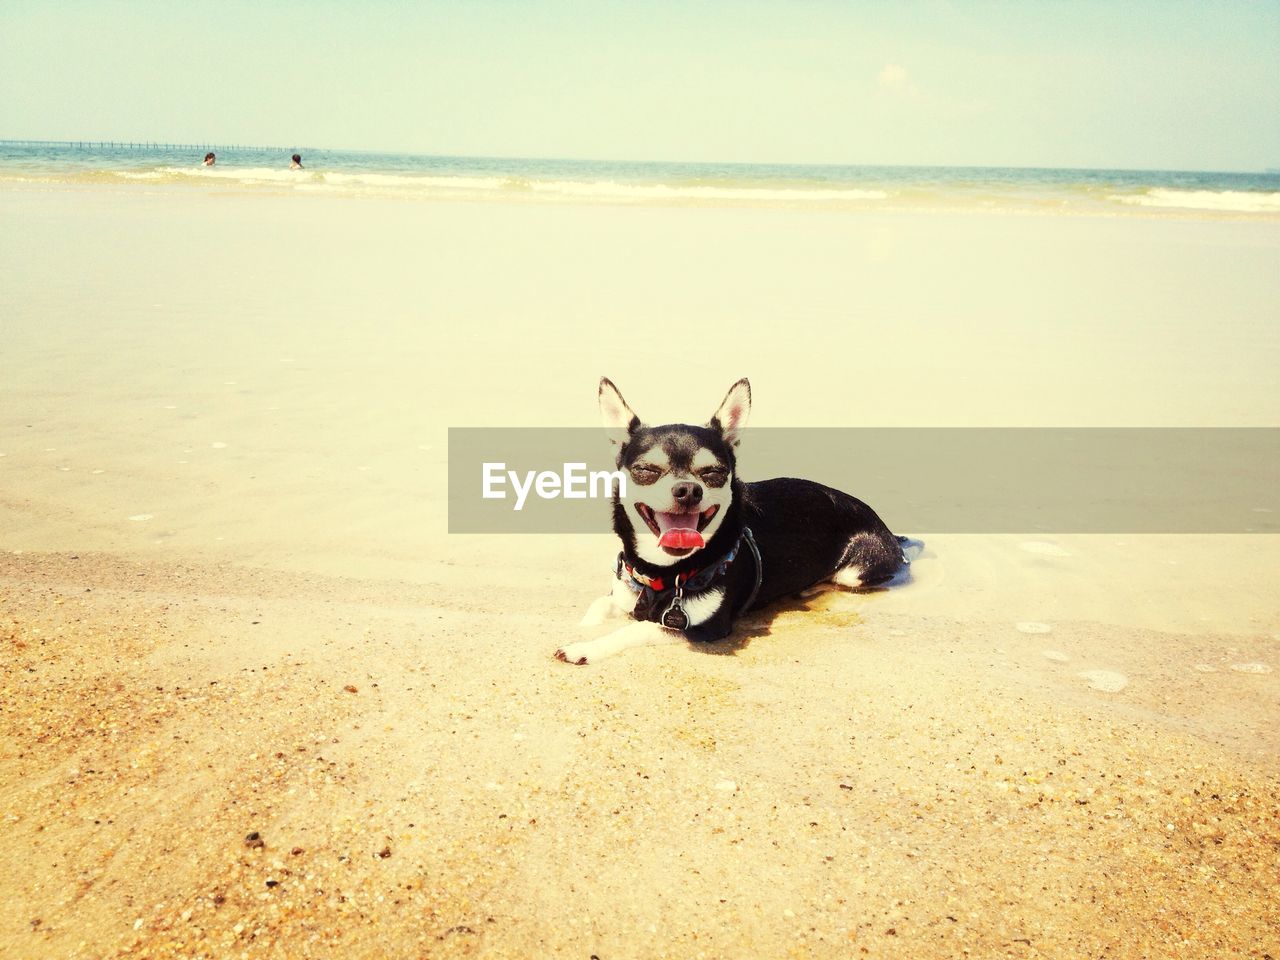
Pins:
x,y
760,624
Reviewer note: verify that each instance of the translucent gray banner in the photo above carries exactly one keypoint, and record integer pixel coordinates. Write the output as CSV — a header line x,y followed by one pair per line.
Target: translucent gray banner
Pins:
x,y
920,480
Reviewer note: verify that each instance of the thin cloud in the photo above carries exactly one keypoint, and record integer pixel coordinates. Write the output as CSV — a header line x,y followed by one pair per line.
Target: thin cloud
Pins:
x,y
893,77
894,82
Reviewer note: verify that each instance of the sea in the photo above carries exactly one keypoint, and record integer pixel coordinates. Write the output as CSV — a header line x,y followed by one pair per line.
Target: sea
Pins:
x,y
430,177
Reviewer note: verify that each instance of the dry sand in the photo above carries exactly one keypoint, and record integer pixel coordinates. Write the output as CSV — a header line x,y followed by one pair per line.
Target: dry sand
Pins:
x,y
284,714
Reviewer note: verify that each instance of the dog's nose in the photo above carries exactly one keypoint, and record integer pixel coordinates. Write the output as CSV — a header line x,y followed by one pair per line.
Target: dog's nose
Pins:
x,y
687,494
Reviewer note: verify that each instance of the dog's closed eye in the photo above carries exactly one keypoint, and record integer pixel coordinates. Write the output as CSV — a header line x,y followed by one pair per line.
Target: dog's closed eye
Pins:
x,y
646,473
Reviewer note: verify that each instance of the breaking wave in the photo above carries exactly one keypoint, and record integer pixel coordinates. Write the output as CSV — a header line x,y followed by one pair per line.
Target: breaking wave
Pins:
x,y
1239,201
428,184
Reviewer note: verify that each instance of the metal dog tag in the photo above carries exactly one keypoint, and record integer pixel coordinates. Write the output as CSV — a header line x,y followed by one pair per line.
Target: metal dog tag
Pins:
x,y
675,617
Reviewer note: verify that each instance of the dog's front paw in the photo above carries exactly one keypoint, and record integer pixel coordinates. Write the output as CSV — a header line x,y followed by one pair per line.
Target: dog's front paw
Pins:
x,y
575,653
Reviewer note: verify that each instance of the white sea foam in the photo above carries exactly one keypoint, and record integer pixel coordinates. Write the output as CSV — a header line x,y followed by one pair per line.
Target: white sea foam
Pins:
x,y
1243,201
435,184
595,189
239,174
661,191
1108,681
411,182
1251,667
1044,549
627,182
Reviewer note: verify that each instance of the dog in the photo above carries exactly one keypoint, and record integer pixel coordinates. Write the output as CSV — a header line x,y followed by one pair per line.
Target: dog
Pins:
x,y
700,546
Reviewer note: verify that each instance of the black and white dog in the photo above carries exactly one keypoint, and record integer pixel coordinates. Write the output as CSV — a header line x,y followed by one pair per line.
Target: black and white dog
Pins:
x,y
700,546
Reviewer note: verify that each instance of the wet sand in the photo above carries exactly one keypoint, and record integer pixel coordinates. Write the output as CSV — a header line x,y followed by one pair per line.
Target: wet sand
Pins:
x,y
425,780
256,700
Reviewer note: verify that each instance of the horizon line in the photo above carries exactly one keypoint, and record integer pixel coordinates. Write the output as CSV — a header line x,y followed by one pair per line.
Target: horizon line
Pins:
x,y
152,143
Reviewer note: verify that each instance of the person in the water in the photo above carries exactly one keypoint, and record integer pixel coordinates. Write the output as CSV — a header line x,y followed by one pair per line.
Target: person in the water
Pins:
x,y
210,159
297,162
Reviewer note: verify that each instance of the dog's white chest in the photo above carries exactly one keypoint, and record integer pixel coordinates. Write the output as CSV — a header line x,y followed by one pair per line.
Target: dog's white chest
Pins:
x,y
701,607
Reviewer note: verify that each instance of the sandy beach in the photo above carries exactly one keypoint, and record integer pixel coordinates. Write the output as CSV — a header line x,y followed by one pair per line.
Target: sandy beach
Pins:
x,y
257,701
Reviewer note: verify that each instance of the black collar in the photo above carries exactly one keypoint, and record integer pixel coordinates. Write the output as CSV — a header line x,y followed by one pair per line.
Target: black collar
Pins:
x,y
652,591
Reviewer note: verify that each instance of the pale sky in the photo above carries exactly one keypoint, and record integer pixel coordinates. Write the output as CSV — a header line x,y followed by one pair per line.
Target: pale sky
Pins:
x,y
1145,84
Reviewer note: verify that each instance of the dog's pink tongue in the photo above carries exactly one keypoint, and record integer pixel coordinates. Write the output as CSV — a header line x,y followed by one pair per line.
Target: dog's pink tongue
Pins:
x,y
679,530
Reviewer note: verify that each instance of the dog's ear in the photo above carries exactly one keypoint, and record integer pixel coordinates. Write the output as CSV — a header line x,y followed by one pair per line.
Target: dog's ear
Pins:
x,y
733,412
619,419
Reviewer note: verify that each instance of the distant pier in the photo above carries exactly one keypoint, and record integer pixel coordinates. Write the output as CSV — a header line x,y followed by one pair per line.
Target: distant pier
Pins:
x,y
147,145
